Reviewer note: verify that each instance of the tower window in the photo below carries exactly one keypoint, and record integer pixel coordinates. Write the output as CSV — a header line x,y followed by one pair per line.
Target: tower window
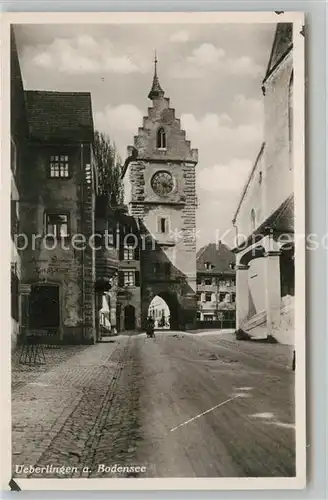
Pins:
x,y
163,225
161,139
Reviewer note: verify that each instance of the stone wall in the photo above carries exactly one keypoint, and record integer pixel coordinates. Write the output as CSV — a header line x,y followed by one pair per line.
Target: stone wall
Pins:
x,y
279,175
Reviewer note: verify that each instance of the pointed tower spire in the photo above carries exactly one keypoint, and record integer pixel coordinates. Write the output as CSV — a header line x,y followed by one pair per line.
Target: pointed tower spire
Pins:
x,y
156,90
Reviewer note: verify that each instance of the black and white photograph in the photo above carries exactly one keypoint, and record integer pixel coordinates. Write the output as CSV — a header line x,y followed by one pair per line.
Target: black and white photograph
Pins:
x,y
157,250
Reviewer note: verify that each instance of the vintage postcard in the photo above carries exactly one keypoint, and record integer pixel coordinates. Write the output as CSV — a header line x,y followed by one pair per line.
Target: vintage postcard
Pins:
x,y
155,333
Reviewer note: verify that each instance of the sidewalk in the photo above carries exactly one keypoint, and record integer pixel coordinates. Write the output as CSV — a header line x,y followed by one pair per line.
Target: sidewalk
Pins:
x,y
53,392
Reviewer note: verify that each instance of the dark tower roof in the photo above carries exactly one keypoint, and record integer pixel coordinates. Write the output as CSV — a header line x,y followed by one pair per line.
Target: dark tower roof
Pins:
x,y
156,89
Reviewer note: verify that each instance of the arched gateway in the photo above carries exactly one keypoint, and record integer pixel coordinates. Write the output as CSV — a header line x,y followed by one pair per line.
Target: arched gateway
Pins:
x,y
160,191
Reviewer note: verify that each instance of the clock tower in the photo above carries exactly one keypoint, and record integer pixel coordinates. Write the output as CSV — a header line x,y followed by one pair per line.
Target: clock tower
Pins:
x,y
160,189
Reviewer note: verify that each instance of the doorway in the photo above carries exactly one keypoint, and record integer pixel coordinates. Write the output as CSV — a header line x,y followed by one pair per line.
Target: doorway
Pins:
x,y
44,307
129,317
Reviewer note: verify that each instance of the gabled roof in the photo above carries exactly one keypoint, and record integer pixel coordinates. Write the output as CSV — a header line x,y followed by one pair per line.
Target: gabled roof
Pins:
x,y
283,42
280,221
59,116
219,255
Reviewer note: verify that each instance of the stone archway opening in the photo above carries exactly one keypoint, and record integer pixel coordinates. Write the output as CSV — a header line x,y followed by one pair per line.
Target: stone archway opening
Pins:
x,y
160,312
164,309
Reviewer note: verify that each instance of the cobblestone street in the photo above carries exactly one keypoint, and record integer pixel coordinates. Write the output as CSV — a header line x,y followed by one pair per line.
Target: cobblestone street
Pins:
x,y
179,405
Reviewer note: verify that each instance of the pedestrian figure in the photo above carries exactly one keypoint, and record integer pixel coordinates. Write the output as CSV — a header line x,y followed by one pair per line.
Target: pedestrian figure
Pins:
x,y
150,327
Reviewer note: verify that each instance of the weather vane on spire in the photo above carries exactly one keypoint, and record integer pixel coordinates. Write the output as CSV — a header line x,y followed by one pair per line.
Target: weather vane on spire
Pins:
x,y
155,62
156,90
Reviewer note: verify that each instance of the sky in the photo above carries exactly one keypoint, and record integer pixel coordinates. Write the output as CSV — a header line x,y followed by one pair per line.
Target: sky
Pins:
x,y
211,73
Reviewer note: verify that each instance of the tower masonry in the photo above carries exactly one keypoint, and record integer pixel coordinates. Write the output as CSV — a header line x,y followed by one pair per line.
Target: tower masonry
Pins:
x,y
160,189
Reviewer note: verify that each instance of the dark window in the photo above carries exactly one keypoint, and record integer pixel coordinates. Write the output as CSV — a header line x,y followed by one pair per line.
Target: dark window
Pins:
x,y
14,296
208,297
208,265
59,166
199,281
208,281
233,298
161,139
137,278
163,225
57,225
199,296
222,296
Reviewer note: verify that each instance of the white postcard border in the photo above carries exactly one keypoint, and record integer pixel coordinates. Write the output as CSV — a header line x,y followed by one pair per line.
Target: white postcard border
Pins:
x,y
298,482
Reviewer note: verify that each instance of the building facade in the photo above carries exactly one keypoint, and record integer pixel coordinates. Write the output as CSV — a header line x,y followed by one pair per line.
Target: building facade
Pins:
x,y
62,269
264,219
160,191
216,287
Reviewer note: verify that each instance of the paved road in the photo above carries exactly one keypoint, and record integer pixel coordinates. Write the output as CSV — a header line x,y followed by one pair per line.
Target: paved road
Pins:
x,y
180,405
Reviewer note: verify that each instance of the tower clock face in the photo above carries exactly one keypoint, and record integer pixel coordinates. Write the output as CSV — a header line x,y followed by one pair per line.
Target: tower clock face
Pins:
x,y
162,183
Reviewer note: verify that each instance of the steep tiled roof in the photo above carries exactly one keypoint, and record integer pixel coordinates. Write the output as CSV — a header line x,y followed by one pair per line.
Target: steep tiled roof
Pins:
x,y
59,116
219,255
